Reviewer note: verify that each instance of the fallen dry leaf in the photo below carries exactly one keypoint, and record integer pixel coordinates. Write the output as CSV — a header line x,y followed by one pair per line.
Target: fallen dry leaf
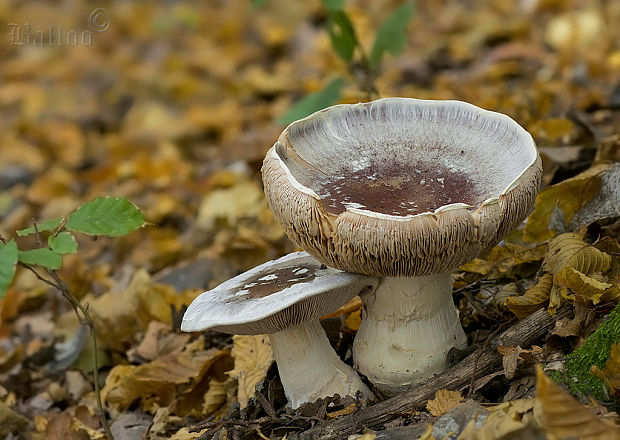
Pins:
x,y
611,371
510,359
156,383
534,298
502,421
588,288
571,195
253,357
563,417
342,412
569,250
443,402
159,340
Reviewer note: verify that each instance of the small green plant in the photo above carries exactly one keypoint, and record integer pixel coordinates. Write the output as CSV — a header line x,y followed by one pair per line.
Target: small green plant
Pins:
x,y
111,216
363,67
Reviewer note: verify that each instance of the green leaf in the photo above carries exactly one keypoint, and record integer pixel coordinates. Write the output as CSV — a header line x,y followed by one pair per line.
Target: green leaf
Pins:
x,y
392,34
48,225
258,3
342,34
111,216
41,257
314,102
8,260
333,5
63,243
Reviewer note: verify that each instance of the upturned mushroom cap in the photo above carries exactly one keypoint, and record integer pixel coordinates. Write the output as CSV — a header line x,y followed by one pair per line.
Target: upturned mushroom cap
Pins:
x,y
278,294
401,186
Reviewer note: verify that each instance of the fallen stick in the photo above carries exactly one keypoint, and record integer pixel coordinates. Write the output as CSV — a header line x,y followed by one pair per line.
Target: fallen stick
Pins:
x,y
483,360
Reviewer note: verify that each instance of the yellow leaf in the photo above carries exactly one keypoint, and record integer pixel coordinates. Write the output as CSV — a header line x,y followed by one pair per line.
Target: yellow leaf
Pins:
x,y
552,129
353,305
570,194
555,299
564,417
426,435
123,314
585,286
367,436
611,371
216,396
569,250
534,298
184,434
354,320
217,204
253,357
443,402
343,412
504,421
504,260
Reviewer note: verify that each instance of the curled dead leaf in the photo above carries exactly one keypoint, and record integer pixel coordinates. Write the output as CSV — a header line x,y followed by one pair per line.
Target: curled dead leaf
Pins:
x,y
584,286
534,298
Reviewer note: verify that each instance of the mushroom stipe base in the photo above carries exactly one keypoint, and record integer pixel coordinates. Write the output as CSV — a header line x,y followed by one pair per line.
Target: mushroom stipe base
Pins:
x,y
309,367
409,324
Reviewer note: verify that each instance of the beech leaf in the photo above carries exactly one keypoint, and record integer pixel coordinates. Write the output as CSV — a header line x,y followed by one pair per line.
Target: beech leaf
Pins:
x,y
564,417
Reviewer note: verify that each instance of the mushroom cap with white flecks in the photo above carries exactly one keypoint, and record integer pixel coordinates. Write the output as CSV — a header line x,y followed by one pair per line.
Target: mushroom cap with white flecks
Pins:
x,y
401,186
278,294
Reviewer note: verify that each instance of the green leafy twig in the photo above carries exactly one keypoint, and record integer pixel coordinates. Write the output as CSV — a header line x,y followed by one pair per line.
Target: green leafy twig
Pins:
x,y
112,216
363,68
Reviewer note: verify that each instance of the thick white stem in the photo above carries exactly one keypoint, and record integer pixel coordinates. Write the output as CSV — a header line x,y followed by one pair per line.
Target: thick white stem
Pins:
x,y
310,368
408,328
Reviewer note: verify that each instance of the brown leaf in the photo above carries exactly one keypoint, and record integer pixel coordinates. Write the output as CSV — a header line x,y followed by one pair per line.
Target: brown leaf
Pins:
x,y
534,298
584,286
510,359
611,371
443,402
159,340
569,250
157,383
564,417
571,195
509,260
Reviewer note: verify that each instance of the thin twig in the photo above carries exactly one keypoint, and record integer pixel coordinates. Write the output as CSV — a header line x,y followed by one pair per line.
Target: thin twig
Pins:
x,y
484,347
84,318
88,321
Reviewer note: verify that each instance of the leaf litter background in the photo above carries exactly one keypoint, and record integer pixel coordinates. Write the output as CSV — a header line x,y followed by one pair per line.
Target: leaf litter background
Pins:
x,y
174,107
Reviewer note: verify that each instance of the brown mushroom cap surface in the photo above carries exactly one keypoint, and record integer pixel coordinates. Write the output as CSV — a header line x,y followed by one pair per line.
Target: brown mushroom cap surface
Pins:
x,y
400,186
273,296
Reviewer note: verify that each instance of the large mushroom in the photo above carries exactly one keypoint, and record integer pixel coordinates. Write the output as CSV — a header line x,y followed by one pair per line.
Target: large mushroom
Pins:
x,y
406,190
284,298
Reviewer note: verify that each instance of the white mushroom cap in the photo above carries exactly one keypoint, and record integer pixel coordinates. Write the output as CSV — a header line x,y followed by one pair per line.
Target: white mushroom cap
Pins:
x,y
282,293
401,186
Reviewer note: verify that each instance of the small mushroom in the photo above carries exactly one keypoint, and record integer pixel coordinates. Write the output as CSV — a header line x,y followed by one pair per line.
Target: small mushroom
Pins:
x,y
284,298
406,190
